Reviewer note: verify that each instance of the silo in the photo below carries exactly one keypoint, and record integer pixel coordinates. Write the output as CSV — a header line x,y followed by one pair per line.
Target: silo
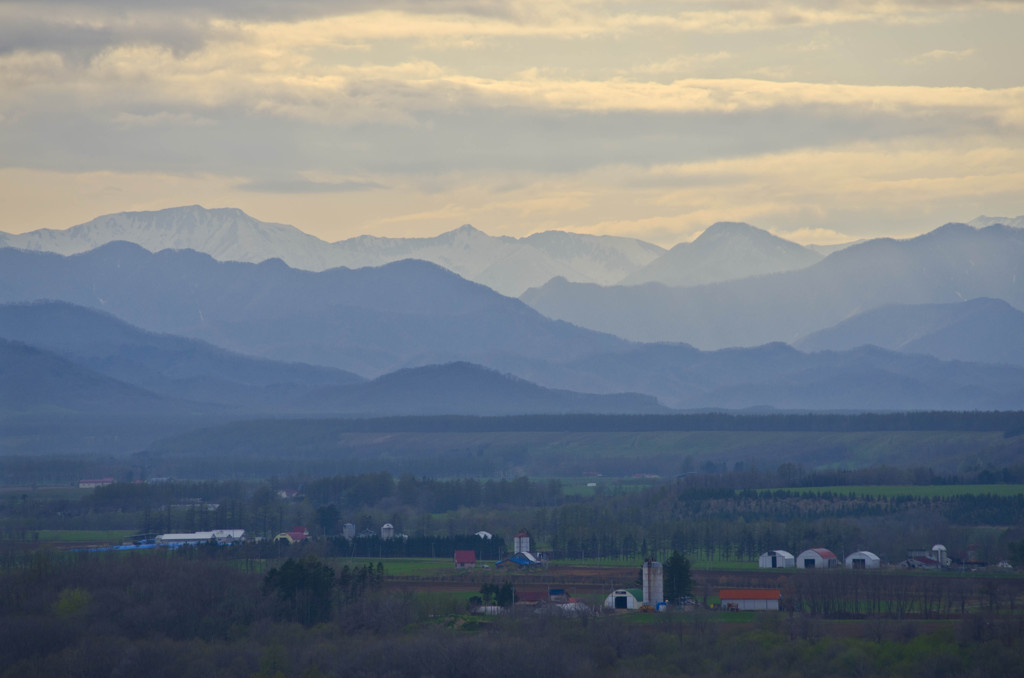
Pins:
x,y
654,582
521,542
348,531
387,531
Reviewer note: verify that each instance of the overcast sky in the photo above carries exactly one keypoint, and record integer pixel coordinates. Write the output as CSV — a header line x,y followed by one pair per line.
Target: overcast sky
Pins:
x,y
820,121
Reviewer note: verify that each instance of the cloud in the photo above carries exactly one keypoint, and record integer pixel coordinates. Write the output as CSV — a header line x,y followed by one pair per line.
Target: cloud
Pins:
x,y
306,186
941,55
278,82
814,236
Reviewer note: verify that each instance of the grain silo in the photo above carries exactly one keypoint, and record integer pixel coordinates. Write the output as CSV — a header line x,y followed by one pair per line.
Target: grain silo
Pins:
x,y
654,583
521,542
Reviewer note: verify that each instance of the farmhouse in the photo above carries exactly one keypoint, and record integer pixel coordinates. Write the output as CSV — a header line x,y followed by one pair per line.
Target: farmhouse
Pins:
x,y
863,560
930,559
750,599
817,559
776,559
465,559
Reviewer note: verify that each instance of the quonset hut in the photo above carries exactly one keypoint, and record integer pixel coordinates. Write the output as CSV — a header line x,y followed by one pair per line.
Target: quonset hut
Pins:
x,y
863,560
817,559
623,599
775,559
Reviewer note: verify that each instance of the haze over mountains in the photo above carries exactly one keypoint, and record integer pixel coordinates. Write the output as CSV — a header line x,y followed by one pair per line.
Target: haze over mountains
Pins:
x,y
980,330
72,359
508,265
951,264
414,314
725,251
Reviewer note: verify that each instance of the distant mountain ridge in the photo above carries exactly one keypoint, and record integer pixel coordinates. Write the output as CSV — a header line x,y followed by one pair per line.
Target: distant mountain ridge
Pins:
x,y
168,365
983,221
468,389
980,330
88,361
413,314
508,265
950,264
38,381
725,251
369,321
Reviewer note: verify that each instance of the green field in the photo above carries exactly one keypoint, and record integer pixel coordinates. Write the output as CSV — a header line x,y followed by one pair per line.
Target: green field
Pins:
x,y
1008,490
85,536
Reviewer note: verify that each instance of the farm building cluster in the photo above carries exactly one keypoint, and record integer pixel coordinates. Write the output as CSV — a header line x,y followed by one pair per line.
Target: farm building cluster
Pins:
x,y
937,557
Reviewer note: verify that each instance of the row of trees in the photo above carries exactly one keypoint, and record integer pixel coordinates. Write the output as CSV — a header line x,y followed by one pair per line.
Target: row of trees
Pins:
x,y
158,614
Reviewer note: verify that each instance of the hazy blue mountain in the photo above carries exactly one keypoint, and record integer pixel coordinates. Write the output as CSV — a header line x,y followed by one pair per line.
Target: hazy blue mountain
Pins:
x,y
36,381
369,321
983,221
825,250
781,377
165,364
508,265
950,264
413,313
226,234
980,330
464,388
725,251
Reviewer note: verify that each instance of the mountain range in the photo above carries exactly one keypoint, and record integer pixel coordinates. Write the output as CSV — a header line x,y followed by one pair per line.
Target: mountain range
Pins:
x,y
508,265
980,330
65,358
953,263
725,251
368,321
413,314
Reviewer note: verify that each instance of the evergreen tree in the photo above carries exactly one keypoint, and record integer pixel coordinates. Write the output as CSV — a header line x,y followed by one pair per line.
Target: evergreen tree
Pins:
x,y
677,577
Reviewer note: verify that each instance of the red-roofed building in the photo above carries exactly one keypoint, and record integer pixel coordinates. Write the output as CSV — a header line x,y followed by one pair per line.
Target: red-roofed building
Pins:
x,y
750,599
465,559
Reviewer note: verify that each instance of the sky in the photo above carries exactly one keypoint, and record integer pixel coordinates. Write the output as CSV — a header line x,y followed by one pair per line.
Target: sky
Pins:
x,y
821,121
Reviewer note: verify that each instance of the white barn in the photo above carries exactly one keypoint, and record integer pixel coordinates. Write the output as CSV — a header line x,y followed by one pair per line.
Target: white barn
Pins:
x,y
817,559
750,599
776,559
863,560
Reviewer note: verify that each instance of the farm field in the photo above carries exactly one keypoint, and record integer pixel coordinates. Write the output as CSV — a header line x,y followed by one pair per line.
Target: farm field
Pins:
x,y
84,536
945,491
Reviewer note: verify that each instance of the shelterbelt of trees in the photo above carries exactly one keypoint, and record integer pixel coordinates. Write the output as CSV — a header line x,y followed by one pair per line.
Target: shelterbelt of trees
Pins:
x,y
196,612
706,518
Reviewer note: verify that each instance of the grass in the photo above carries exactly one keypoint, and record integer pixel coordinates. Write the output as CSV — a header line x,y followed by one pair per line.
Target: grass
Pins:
x,y
49,492
85,536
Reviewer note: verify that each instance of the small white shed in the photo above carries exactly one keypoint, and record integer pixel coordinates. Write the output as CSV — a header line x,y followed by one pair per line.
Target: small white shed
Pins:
x,y
863,560
622,599
817,559
775,559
